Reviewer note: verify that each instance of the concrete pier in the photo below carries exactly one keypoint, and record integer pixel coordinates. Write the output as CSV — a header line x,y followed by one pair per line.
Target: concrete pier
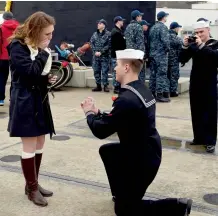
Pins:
x,y
73,170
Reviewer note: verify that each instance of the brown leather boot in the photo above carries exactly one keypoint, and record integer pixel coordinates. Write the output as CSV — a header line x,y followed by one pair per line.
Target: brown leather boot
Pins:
x,y
44,192
29,171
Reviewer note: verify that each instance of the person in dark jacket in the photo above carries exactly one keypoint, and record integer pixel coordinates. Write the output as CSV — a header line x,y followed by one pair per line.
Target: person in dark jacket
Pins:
x,y
29,113
173,58
6,30
101,43
203,85
118,42
145,26
132,164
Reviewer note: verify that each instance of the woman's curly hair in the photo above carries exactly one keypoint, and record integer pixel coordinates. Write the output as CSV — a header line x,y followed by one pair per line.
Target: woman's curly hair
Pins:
x,y
32,27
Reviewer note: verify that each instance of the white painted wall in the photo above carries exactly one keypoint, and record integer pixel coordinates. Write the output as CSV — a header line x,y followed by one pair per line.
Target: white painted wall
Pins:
x,y
205,6
186,17
1,19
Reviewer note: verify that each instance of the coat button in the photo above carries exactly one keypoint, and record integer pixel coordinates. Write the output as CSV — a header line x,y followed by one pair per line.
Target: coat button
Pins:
x,y
33,87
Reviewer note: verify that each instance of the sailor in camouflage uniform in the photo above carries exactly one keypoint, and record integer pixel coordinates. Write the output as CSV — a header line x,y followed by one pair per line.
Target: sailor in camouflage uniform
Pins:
x,y
173,58
134,36
100,44
134,33
159,47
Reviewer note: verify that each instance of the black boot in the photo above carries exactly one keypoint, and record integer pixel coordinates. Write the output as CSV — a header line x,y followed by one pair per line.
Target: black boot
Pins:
x,y
116,90
166,94
106,89
186,205
196,143
210,148
32,190
174,94
154,94
161,98
98,88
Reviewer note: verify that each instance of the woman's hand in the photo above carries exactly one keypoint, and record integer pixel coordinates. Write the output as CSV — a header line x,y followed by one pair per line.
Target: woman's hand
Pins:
x,y
44,44
52,79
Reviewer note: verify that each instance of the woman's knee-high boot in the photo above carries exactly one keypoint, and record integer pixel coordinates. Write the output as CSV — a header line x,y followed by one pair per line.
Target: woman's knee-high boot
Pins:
x,y
44,192
29,171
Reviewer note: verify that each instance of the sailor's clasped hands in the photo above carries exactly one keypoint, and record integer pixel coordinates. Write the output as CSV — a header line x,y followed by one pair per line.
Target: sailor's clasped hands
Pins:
x,y
88,105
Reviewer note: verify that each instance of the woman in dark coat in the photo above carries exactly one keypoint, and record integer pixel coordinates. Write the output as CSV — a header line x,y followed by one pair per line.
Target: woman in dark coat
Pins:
x,y
30,114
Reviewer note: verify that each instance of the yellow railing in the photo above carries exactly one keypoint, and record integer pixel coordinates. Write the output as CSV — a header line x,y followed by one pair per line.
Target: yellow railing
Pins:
x,y
8,6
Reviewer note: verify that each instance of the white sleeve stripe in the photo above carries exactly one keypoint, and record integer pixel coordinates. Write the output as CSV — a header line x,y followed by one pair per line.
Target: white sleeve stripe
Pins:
x,y
89,113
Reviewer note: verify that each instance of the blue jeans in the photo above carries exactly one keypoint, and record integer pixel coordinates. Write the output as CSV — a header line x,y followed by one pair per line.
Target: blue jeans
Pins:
x,y
113,65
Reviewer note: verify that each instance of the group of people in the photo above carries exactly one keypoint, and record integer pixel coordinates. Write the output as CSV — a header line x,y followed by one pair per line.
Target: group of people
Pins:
x,y
165,47
167,50
164,50
104,45
161,47
133,163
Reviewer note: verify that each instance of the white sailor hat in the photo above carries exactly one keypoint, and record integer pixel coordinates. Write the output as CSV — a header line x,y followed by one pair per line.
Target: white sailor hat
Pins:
x,y
130,54
201,24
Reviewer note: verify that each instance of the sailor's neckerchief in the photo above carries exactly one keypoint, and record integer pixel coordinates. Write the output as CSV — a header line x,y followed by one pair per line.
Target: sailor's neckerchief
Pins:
x,y
147,103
